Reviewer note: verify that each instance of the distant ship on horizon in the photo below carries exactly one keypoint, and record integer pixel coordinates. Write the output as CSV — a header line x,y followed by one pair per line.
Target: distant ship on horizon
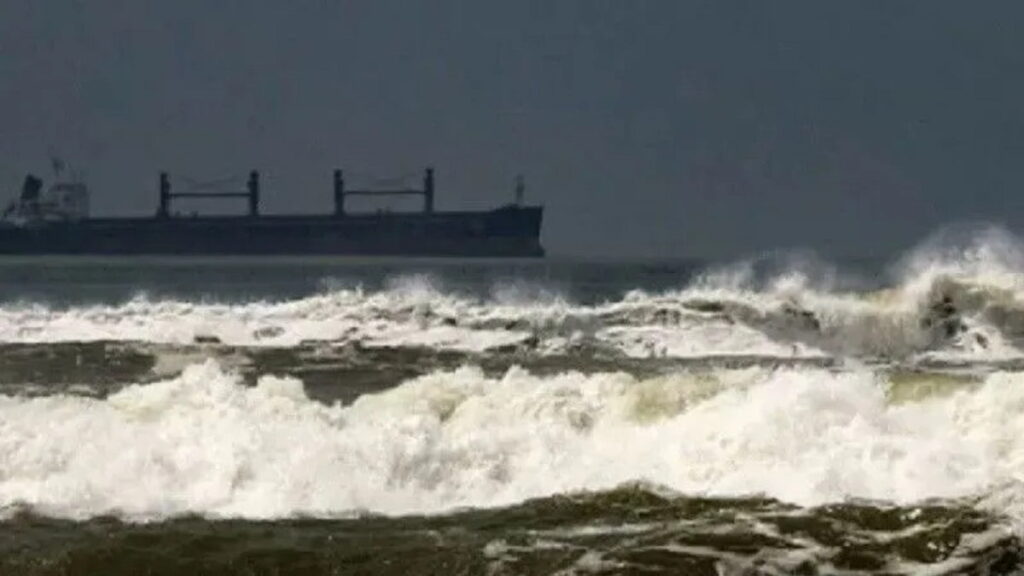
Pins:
x,y
57,221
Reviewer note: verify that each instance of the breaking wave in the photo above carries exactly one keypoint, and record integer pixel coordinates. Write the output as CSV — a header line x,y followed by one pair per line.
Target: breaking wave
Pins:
x,y
957,299
203,443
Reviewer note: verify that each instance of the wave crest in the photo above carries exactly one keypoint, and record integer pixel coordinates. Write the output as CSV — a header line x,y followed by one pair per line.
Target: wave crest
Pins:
x,y
205,444
958,298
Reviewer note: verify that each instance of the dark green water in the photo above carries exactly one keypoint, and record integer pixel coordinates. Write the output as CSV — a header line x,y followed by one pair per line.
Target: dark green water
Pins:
x,y
626,531
553,417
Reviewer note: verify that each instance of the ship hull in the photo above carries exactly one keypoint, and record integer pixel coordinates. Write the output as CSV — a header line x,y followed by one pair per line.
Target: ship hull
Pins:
x,y
506,232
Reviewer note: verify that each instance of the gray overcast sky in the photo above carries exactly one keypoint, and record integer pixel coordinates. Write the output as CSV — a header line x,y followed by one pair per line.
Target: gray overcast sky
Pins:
x,y
675,128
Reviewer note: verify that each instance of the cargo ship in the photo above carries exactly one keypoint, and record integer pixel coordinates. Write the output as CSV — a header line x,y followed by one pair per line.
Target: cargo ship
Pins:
x,y
57,221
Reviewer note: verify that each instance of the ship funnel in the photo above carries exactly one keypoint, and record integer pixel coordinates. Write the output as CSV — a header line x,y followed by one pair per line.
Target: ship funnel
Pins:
x,y
31,188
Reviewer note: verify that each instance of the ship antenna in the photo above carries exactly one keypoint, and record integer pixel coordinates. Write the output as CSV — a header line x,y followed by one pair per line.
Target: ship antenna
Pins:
x,y
57,164
520,189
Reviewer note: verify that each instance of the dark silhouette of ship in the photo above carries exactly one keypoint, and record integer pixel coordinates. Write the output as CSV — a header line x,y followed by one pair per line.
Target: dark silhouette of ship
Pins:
x,y
57,221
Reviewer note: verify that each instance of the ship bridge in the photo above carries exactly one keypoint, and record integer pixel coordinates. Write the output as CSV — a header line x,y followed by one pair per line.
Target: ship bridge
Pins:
x,y
66,201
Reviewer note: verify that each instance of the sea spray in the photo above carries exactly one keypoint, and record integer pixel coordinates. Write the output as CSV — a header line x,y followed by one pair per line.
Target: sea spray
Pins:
x,y
206,444
968,314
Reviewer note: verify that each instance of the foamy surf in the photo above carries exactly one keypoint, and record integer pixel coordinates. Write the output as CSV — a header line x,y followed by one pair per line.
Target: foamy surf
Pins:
x,y
205,444
766,417
955,307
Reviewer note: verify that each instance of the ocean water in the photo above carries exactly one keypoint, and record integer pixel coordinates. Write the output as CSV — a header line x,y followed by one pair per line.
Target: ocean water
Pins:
x,y
777,415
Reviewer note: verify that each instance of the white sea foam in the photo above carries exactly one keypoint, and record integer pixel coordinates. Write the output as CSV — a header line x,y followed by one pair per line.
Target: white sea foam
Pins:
x,y
694,322
399,316
203,443
949,301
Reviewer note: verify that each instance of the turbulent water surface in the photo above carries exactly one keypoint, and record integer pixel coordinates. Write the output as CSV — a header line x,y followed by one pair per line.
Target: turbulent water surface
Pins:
x,y
776,416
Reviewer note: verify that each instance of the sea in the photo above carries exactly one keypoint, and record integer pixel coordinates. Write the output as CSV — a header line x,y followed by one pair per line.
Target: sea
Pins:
x,y
777,414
